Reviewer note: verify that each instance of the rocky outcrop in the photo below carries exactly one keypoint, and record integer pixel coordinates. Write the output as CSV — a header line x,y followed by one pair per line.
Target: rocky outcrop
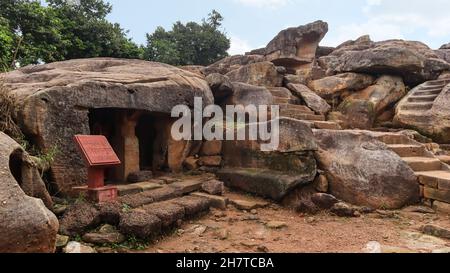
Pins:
x,y
414,61
247,94
271,174
26,224
363,171
426,109
220,85
311,99
294,47
231,63
334,86
56,101
361,109
26,170
444,52
261,74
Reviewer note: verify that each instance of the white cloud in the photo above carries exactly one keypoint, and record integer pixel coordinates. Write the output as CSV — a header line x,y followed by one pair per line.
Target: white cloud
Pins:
x,y
385,19
264,3
239,46
378,31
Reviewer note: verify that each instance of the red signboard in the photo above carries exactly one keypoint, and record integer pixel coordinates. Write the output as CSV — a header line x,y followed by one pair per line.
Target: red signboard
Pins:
x,y
97,151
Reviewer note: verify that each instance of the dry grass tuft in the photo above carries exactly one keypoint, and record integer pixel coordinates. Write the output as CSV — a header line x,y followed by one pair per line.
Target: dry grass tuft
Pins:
x,y
7,123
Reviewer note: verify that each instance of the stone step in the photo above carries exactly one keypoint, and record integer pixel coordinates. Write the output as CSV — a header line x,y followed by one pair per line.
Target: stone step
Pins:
x,y
407,150
437,194
431,88
423,164
310,117
419,106
136,195
134,188
427,92
444,158
326,125
417,116
426,98
154,219
437,82
149,197
295,109
279,101
435,179
392,139
281,93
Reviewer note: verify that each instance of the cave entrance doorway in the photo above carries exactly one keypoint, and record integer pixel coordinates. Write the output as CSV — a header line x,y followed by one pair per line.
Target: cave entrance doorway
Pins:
x,y
139,139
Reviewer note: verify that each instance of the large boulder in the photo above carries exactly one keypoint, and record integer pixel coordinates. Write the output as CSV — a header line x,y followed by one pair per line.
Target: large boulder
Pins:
x,y
333,86
311,99
426,111
271,174
231,63
444,52
26,170
363,171
26,224
247,94
414,61
261,74
220,85
102,96
294,47
361,109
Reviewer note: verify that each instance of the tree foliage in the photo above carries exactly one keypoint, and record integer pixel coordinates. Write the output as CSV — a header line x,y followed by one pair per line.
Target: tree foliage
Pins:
x,y
62,30
6,44
32,33
189,44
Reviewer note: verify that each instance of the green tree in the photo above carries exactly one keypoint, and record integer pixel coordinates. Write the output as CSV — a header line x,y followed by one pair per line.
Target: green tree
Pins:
x,y
6,45
36,27
87,33
65,29
189,44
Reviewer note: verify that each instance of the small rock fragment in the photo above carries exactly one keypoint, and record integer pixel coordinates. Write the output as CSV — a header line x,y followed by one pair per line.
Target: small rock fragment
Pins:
x,y
276,225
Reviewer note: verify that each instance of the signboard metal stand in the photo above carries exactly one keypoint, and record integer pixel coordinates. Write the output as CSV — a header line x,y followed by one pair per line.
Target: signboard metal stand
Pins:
x,y
98,155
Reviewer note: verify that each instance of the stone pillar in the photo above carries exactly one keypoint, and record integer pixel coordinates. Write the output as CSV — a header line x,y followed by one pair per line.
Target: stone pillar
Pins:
x,y
130,161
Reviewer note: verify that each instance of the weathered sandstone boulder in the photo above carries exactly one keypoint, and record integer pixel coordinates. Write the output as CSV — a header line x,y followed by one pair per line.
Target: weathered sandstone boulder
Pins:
x,y
362,43
261,74
211,148
196,69
232,63
361,109
220,85
26,224
414,61
333,86
107,96
363,171
297,46
426,109
247,94
271,174
311,99
324,51
444,52
25,169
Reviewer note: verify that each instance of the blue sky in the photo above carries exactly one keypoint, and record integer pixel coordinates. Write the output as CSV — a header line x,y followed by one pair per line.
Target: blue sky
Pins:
x,y
253,23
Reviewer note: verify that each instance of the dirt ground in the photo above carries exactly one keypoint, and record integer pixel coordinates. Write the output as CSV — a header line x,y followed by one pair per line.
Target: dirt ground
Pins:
x,y
235,231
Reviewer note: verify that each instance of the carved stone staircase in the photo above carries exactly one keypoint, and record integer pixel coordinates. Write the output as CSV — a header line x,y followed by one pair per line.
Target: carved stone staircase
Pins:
x,y
290,107
433,174
169,200
422,98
